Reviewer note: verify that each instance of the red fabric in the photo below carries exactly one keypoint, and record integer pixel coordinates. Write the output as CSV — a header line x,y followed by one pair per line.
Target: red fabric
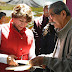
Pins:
x,y
15,43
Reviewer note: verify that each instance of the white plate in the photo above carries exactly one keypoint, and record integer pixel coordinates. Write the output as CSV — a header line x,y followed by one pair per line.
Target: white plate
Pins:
x,y
22,61
19,68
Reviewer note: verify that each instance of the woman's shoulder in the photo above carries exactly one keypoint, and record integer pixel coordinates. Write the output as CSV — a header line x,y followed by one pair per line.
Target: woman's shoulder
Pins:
x,y
29,32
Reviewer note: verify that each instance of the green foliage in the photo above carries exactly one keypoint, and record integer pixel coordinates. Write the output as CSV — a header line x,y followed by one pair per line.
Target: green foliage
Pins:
x,y
38,14
39,9
5,6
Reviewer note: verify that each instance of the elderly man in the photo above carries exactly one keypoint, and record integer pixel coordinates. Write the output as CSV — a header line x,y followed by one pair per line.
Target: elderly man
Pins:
x,y
61,58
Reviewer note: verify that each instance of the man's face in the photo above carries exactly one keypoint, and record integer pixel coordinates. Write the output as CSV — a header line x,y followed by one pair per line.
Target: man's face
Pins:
x,y
56,18
46,12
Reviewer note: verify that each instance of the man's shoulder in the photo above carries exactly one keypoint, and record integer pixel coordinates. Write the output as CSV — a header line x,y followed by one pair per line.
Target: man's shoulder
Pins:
x,y
70,30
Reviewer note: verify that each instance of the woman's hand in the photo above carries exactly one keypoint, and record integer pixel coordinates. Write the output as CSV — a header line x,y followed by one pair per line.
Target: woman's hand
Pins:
x,y
11,60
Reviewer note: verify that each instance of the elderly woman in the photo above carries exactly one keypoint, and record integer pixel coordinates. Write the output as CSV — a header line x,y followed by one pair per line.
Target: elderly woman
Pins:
x,y
17,41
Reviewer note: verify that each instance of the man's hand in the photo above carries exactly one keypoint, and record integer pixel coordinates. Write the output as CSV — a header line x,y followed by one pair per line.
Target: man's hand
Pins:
x,y
11,60
37,61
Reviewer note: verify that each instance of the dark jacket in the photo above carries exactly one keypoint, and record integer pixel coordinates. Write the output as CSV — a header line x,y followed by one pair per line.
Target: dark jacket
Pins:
x,y
48,39
39,23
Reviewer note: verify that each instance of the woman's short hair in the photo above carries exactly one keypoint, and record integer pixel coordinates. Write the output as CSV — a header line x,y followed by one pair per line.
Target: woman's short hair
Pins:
x,y
58,7
22,10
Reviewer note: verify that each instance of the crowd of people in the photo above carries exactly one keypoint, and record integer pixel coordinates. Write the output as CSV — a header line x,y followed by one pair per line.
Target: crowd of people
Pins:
x,y
48,44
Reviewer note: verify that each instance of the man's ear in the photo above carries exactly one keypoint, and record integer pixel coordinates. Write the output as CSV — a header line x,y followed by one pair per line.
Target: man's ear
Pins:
x,y
63,13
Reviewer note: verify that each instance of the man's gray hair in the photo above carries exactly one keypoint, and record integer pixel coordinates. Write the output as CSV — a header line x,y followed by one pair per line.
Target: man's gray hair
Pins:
x,y
58,7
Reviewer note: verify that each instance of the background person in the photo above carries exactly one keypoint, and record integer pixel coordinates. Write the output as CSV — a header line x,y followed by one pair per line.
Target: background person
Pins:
x,y
2,17
39,23
17,41
61,59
